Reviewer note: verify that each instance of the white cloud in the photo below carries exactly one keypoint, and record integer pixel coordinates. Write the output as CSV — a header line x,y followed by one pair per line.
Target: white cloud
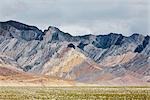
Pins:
x,y
98,27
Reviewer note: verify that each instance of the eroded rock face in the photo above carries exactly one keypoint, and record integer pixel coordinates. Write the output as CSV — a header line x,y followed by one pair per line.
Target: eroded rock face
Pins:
x,y
71,46
86,58
12,29
142,46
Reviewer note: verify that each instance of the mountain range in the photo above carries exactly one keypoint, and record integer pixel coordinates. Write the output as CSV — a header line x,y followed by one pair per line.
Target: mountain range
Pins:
x,y
29,56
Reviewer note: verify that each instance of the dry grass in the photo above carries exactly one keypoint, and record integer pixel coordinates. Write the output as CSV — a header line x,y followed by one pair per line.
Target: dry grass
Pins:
x,y
75,93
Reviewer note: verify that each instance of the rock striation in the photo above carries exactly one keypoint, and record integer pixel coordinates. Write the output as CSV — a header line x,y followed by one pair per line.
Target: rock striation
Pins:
x,y
94,59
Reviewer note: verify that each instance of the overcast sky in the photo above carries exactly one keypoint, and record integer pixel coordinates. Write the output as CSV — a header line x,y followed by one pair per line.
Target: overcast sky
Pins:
x,y
80,17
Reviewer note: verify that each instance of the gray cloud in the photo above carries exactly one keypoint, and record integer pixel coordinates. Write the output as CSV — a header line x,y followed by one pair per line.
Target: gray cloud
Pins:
x,y
81,16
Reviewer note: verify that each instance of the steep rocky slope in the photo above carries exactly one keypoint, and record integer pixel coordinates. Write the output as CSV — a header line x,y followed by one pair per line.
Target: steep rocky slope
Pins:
x,y
108,59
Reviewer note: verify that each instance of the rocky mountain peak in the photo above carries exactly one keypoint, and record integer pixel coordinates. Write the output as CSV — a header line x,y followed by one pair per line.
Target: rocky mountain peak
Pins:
x,y
53,29
53,34
19,30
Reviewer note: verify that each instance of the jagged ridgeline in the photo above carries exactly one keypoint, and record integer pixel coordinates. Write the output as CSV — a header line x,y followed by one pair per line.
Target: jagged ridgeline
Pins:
x,y
109,59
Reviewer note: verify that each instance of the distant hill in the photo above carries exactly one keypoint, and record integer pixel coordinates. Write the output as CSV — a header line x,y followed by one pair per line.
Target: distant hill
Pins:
x,y
111,59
